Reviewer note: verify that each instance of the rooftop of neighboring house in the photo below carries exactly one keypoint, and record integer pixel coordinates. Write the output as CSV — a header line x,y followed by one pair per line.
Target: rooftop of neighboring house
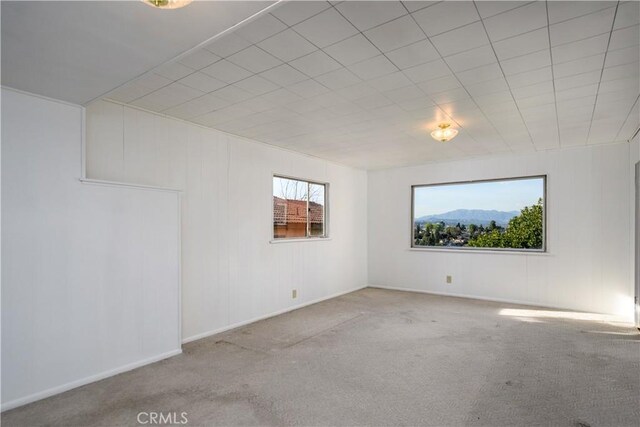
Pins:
x,y
286,211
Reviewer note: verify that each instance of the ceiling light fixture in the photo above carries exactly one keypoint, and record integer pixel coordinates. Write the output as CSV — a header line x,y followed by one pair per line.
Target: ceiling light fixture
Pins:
x,y
444,133
167,4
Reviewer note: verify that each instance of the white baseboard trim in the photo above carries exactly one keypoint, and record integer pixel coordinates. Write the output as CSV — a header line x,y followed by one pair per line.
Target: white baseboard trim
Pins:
x,y
455,295
93,378
275,313
84,381
483,298
74,384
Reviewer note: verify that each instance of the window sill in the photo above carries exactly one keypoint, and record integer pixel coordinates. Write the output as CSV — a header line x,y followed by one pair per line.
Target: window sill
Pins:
x,y
301,239
483,251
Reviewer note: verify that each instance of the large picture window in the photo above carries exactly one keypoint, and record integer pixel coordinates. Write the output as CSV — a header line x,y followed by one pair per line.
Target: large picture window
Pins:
x,y
299,209
502,214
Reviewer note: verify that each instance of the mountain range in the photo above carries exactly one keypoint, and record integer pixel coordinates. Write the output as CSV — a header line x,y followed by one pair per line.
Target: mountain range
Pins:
x,y
470,216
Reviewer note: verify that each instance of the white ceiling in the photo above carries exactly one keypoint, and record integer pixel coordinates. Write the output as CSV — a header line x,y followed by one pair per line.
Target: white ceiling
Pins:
x,y
363,83
78,50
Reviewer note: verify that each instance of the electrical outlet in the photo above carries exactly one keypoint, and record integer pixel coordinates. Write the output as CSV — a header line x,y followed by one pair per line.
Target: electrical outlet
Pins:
x,y
449,279
294,293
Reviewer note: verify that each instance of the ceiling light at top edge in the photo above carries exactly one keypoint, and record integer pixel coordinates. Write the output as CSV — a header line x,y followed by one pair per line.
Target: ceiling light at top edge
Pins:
x,y
167,4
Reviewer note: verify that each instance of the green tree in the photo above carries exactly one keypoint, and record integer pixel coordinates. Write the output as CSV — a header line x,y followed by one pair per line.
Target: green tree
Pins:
x,y
450,231
523,232
438,228
429,235
490,239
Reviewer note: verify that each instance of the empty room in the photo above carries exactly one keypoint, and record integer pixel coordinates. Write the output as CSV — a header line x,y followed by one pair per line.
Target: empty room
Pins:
x,y
320,213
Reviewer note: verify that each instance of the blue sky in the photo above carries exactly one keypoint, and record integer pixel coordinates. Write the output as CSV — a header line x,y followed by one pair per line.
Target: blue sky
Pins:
x,y
499,195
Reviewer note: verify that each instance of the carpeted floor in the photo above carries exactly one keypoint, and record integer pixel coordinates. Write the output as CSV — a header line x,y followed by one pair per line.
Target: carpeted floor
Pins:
x,y
378,357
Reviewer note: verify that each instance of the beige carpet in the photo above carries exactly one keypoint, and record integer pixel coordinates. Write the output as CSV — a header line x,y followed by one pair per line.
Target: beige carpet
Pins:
x,y
377,357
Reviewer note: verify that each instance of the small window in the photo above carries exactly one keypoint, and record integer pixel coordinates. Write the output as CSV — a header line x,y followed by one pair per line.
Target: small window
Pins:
x,y
299,208
504,214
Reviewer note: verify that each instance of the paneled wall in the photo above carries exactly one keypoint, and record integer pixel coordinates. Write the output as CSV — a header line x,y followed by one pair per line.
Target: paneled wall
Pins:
x,y
635,257
589,218
231,273
90,274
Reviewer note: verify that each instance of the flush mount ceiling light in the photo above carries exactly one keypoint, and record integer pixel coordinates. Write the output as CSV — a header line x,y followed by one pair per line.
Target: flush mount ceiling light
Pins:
x,y
444,133
167,4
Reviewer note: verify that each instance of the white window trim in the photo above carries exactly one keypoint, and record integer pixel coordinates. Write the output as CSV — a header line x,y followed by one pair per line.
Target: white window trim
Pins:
x,y
467,249
326,228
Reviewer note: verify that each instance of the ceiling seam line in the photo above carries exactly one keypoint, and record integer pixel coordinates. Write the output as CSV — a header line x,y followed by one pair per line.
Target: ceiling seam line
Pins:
x,y
505,79
282,87
318,48
437,106
524,122
243,79
194,71
195,48
627,118
604,62
367,38
539,50
553,76
583,15
222,87
220,36
247,139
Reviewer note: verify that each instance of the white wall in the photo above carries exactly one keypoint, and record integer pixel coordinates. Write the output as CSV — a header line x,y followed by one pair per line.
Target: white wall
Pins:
x,y
90,274
231,274
633,159
587,267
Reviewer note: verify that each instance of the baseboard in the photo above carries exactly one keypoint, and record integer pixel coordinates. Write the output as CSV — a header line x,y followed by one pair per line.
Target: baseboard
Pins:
x,y
466,296
84,381
275,313
93,378
483,298
65,387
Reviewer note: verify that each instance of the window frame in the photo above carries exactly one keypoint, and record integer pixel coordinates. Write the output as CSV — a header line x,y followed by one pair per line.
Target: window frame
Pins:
x,y
542,250
308,237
